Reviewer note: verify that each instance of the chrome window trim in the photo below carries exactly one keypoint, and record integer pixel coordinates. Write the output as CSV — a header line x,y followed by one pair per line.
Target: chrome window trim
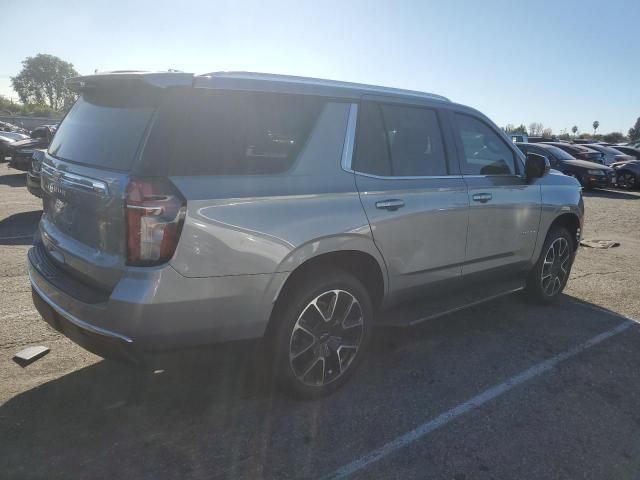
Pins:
x,y
512,175
350,138
425,177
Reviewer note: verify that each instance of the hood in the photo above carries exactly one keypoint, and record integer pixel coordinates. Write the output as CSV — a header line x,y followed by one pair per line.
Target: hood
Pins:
x,y
585,164
30,143
629,165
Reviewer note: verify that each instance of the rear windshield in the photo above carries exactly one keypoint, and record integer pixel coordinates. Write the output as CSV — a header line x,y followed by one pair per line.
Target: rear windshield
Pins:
x,y
605,149
559,153
104,129
230,133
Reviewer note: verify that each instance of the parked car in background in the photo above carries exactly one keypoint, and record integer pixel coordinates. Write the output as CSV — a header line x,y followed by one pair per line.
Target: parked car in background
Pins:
x,y
5,142
627,174
633,152
582,141
33,174
13,135
22,151
185,210
610,154
579,152
8,138
518,137
589,174
10,127
542,139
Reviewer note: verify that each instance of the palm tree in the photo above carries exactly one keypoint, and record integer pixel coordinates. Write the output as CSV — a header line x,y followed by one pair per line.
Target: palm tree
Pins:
x,y
596,124
574,129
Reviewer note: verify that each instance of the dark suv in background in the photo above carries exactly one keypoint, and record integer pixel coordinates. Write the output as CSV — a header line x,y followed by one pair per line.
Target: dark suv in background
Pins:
x,y
589,174
579,152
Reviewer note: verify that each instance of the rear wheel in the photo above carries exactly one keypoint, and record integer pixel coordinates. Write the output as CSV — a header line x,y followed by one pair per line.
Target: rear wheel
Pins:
x,y
551,273
322,331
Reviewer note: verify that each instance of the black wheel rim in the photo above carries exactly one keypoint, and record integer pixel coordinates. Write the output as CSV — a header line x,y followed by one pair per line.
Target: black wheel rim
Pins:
x,y
326,338
555,267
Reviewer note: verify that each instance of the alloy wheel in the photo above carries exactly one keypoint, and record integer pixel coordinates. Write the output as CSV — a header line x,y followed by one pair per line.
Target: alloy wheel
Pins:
x,y
555,267
326,338
627,180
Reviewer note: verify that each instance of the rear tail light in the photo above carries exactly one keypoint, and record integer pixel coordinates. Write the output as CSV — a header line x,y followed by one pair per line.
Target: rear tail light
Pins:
x,y
155,213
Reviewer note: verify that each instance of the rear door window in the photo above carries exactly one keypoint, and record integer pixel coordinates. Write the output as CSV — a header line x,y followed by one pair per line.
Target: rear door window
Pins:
x,y
484,152
235,133
105,129
399,141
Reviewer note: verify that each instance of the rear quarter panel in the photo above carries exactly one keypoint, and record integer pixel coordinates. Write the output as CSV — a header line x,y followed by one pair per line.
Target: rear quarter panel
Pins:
x,y
248,225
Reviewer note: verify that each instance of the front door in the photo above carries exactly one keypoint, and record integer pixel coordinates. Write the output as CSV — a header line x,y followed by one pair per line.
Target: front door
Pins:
x,y
416,202
504,209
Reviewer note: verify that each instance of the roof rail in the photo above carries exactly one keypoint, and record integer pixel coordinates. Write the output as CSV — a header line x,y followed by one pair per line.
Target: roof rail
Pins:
x,y
321,82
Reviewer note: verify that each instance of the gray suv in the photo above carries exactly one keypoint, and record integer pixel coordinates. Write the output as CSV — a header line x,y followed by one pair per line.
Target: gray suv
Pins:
x,y
184,210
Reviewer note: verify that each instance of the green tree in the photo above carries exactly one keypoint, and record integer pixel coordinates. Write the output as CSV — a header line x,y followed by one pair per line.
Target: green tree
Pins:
x,y
511,129
634,132
7,106
614,137
41,81
574,129
596,124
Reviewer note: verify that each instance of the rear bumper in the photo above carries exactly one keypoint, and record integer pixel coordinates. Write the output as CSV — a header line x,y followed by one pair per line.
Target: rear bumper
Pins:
x,y
154,310
98,341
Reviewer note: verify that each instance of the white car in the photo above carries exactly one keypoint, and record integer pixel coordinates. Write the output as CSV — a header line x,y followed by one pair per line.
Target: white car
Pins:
x,y
13,135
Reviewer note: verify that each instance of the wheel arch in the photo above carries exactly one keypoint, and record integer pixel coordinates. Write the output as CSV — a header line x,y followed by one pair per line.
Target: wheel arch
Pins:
x,y
368,267
571,222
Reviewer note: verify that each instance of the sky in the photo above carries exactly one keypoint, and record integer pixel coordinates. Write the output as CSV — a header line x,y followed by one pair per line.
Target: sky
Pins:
x,y
560,63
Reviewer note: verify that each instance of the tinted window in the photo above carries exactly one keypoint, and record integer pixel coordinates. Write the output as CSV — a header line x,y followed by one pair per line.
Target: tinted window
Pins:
x,y
372,149
559,153
485,153
235,133
397,140
104,129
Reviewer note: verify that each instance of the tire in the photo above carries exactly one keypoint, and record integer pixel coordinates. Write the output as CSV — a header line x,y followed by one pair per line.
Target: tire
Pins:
x,y
626,180
546,280
313,356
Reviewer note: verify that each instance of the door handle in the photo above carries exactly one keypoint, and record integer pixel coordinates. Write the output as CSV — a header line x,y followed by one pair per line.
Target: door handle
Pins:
x,y
391,205
482,197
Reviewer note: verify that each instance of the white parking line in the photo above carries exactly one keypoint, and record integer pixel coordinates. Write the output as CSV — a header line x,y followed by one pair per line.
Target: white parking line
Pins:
x,y
16,237
475,402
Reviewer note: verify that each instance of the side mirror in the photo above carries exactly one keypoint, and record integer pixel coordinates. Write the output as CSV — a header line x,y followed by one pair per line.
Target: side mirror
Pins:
x,y
536,166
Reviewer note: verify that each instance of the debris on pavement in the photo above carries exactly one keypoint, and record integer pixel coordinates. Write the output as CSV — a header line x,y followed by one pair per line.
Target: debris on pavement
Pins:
x,y
29,355
599,243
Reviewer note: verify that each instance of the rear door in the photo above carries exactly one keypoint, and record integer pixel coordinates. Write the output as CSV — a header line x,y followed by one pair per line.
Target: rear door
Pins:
x,y
504,209
84,176
413,195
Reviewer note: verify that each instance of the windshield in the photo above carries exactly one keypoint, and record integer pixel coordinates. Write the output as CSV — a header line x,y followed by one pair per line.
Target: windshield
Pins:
x,y
104,129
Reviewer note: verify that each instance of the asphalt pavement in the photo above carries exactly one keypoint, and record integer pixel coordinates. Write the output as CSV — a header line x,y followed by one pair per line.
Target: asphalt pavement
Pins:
x,y
505,390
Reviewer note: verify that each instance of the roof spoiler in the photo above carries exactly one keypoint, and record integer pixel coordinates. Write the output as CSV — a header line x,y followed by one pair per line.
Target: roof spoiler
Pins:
x,y
129,78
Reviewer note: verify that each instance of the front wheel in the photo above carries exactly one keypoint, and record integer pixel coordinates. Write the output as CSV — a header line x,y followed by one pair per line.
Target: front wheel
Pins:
x,y
626,180
551,273
322,331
